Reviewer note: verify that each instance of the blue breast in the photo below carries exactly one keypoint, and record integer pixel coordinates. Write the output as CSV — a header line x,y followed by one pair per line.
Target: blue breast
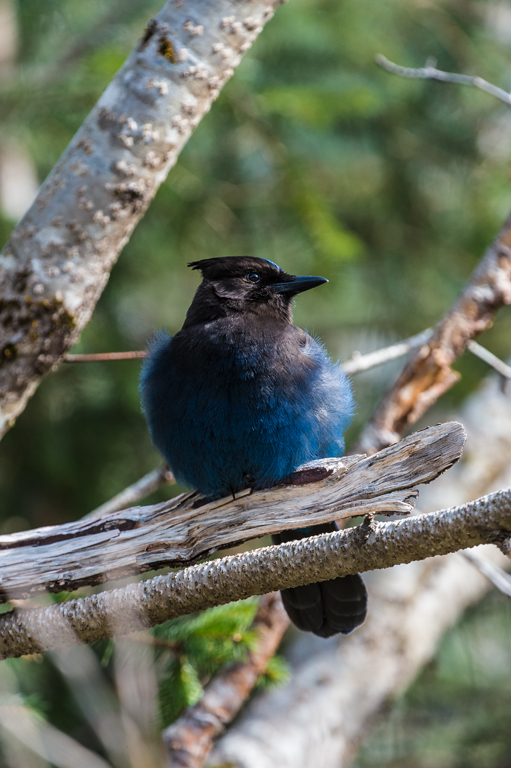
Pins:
x,y
225,414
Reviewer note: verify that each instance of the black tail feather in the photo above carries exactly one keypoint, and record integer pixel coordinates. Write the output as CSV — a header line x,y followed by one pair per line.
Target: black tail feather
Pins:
x,y
329,607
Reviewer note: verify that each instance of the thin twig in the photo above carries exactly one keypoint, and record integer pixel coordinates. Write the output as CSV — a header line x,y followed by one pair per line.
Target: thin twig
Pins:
x,y
102,357
496,575
358,362
492,360
355,364
133,493
431,73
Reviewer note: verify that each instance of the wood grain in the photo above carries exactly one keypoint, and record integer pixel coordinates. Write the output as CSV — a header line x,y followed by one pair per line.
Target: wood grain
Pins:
x,y
186,529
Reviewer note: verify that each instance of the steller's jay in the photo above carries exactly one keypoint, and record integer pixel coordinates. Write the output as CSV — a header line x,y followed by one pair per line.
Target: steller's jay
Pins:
x,y
240,396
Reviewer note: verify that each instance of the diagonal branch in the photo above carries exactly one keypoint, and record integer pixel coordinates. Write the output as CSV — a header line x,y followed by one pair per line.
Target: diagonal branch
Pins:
x,y
186,529
134,492
189,740
355,550
58,259
428,373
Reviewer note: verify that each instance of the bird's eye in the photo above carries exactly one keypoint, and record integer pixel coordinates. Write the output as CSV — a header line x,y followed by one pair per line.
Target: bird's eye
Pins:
x,y
253,277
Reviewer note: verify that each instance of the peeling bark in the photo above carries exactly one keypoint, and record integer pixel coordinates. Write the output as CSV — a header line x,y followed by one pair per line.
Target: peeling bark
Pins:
x,y
367,547
58,259
188,528
428,374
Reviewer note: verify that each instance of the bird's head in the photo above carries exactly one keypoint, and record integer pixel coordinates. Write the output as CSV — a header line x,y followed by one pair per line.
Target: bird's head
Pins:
x,y
247,284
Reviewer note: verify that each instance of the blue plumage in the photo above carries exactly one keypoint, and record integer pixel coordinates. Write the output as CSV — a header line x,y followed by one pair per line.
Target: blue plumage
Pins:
x,y
223,418
240,396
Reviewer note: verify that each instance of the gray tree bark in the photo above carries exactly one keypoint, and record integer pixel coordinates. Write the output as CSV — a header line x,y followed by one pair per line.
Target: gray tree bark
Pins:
x,y
367,547
58,259
188,528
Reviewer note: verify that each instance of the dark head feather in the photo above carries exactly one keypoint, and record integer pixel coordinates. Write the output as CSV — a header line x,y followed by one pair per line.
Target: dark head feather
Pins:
x,y
234,266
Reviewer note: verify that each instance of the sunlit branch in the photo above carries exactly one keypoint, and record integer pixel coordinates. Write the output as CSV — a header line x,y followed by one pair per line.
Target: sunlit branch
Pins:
x,y
370,546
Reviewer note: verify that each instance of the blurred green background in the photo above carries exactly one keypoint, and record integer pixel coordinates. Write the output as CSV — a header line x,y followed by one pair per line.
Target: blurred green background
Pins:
x,y
313,157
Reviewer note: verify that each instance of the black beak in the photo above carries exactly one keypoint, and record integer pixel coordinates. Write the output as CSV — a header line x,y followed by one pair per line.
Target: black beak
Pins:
x,y
299,284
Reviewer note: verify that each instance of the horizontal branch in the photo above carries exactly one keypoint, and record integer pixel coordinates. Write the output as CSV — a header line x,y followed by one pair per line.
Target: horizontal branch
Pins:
x,y
188,528
355,364
366,547
105,357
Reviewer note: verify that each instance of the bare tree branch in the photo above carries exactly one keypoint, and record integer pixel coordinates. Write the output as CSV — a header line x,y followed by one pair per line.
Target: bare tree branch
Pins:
x,y
428,374
58,259
429,72
355,364
189,740
364,548
188,528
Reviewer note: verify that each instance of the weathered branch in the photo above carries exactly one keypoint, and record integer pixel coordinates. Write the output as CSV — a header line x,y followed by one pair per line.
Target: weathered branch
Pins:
x,y
189,740
320,558
58,259
428,373
430,72
188,528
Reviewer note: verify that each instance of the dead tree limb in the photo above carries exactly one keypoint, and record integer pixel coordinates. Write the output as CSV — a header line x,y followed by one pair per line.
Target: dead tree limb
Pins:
x,y
320,558
58,259
428,373
186,529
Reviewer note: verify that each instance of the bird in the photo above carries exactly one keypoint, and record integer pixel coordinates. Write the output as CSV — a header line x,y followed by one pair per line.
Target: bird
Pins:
x,y
240,397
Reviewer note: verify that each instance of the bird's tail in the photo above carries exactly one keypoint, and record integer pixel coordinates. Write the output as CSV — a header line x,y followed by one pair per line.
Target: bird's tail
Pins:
x,y
329,607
